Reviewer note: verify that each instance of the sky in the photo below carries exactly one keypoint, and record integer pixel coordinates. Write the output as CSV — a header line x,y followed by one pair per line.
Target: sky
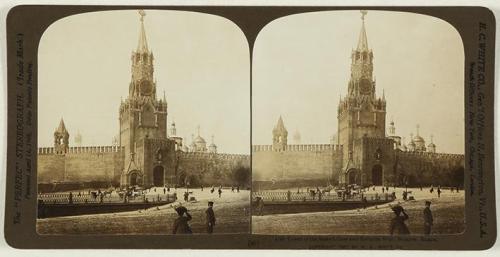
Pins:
x,y
202,63
301,66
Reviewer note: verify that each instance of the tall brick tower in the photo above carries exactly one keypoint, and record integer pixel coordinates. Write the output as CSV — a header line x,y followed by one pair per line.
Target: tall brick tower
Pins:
x,y
360,113
142,115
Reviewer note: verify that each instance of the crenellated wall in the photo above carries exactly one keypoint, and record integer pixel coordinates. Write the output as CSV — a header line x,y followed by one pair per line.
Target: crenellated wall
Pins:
x,y
299,148
307,161
80,164
211,168
424,168
82,149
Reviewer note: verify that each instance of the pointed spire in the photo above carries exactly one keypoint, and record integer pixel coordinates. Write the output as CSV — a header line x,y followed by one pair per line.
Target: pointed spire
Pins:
x,y
280,125
164,97
61,128
418,130
363,40
142,46
383,94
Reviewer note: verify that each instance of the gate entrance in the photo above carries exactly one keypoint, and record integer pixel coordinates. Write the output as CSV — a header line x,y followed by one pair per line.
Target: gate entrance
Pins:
x,y
377,175
158,176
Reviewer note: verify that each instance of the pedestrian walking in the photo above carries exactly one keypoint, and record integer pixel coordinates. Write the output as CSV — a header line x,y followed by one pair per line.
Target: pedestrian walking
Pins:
x,y
220,192
237,189
181,224
186,196
428,220
210,218
398,225
439,192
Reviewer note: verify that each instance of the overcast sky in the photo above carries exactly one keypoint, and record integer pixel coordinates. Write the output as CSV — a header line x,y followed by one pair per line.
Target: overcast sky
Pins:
x,y
302,65
201,62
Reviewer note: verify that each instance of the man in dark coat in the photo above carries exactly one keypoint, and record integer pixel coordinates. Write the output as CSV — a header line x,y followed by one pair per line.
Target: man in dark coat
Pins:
x,y
210,218
428,220
398,225
181,225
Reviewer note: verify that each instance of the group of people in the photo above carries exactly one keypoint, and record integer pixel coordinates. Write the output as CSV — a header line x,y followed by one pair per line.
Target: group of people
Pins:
x,y
181,224
398,222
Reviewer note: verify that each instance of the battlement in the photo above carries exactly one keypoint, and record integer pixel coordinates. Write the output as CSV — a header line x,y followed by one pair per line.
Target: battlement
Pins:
x,y
207,155
431,155
300,148
83,149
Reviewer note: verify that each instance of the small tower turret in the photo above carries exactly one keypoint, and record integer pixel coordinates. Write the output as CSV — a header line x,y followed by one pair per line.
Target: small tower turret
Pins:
x,y
280,135
61,139
432,147
173,130
212,148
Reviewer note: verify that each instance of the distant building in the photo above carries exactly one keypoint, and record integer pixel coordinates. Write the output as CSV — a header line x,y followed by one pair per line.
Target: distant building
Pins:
x,y
361,153
143,154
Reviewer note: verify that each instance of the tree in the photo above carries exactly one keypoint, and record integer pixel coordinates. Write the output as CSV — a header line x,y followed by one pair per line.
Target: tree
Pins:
x,y
458,176
241,176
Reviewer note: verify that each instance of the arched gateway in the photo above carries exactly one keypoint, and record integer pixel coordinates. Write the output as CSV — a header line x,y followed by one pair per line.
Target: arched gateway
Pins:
x,y
351,176
158,176
377,175
134,178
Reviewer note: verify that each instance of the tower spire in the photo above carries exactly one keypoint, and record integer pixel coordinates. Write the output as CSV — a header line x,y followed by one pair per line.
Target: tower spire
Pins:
x,y
142,46
362,41
61,128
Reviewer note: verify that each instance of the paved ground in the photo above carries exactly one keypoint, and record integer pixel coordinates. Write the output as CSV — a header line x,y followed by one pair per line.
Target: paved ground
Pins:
x,y
448,212
232,212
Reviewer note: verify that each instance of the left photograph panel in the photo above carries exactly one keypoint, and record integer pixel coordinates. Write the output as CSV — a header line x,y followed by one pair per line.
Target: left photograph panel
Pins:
x,y
133,135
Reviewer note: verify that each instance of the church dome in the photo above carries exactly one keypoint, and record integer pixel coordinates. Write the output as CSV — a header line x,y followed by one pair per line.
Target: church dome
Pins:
x,y
418,139
199,140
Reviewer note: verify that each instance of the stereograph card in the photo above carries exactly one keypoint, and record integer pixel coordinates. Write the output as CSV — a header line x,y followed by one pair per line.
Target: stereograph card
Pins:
x,y
231,127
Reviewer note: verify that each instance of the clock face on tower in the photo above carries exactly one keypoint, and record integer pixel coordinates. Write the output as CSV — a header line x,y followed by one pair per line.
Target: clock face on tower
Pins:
x,y
146,87
365,86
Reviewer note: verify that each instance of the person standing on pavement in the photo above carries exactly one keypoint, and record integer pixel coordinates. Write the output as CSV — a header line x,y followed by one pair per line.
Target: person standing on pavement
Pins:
x,y
210,218
428,220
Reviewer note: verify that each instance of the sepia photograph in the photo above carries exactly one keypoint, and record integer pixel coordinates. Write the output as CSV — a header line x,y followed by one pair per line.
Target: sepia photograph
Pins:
x,y
143,125
358,125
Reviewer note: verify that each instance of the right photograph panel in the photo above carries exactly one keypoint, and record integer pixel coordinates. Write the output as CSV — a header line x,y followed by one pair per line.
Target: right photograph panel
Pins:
x,y
358,125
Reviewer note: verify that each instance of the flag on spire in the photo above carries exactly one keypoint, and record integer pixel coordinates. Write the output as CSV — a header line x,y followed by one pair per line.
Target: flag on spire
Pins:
x,y
142,46
363,40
